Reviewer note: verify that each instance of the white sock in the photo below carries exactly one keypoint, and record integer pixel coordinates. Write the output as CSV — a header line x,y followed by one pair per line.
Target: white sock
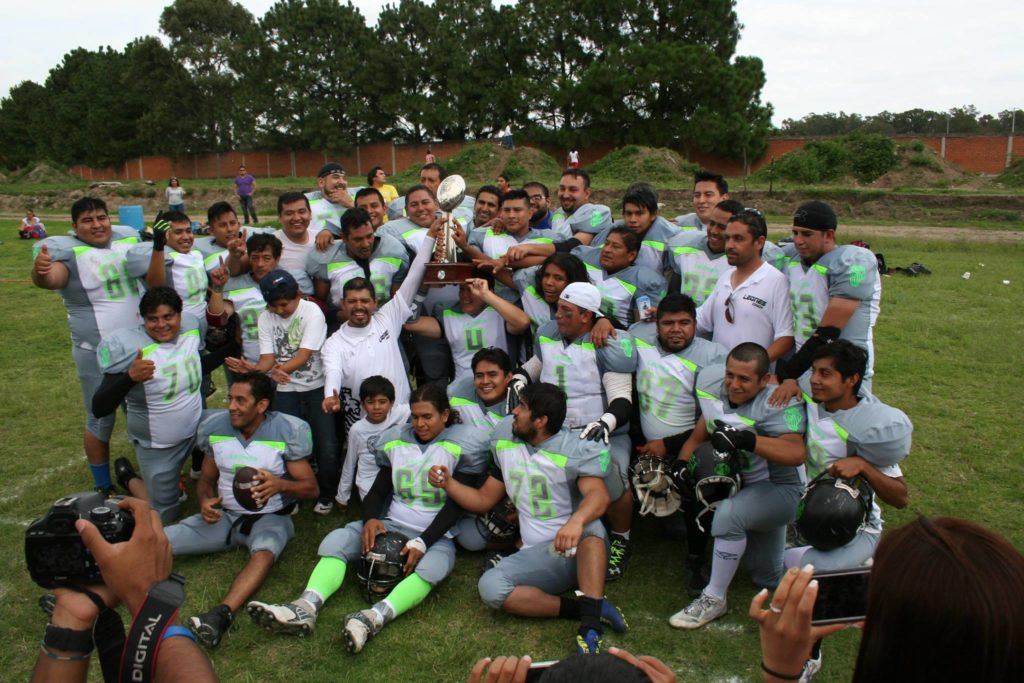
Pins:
x,y
725,560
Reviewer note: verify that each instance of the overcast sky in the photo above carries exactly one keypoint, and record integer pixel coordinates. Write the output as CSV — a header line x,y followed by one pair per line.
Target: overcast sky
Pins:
x,y
861,56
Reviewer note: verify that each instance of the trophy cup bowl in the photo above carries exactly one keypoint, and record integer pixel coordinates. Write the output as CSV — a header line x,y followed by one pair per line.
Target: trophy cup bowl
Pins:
x,y
449,271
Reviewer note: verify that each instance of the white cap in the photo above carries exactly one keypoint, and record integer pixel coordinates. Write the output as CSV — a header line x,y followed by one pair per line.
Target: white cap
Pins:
x,y
584,295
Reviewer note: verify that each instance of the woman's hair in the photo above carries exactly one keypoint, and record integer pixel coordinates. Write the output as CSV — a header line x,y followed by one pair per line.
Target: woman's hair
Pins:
x,y
945,602
570,264
436,395
172,181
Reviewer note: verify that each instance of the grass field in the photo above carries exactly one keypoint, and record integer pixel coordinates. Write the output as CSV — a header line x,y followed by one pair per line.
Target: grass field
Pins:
x,y
950,353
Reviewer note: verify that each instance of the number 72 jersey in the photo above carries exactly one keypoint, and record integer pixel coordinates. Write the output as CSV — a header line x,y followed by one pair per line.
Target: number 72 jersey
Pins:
x,y
164,410
541,480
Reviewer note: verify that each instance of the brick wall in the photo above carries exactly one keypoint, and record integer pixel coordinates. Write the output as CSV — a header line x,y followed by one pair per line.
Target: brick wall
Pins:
x,y
975,153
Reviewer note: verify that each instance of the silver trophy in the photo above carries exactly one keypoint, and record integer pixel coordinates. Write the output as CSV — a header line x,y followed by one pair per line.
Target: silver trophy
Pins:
x,y
448,271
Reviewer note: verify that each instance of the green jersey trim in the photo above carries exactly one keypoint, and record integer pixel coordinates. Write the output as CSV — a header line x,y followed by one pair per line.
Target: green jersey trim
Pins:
x,y
279,445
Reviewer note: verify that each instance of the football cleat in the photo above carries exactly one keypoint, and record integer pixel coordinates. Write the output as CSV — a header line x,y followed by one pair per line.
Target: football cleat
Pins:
x,y
211,626
293,618
588,642
612,616
358,628
703,610
124,473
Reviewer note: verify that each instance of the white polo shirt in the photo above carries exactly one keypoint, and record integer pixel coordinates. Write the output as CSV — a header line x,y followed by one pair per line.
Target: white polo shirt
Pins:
x,y
760,309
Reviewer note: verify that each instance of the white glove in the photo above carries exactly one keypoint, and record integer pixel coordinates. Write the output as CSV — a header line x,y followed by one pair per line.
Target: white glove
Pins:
x,y
601,429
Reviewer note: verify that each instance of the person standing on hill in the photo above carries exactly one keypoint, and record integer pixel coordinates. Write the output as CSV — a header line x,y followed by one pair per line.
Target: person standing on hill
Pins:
x,y
245,187
175,194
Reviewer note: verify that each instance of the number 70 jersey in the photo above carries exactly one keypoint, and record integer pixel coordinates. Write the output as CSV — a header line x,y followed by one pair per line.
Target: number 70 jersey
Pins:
x,y
164,410
541,480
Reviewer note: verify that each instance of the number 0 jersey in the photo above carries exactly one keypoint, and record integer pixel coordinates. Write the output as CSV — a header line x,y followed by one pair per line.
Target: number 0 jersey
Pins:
x,y
100,297
278,439
415,501
871,430
541,480
164,410
757,415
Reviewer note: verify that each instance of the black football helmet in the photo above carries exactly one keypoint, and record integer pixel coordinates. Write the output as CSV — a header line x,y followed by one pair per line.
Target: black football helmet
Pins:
x,y
832,511
381,568
501,524
714,476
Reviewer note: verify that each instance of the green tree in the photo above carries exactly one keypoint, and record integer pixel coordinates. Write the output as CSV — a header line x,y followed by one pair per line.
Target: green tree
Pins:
x,y
208,37
23,121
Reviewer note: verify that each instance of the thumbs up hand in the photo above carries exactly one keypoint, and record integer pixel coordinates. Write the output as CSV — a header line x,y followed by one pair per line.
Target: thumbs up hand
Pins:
x,y
141,369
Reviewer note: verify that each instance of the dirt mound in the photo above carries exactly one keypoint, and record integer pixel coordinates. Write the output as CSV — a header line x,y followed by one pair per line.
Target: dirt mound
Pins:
x,y
656,165
1013,176
918,165
44,173
481,162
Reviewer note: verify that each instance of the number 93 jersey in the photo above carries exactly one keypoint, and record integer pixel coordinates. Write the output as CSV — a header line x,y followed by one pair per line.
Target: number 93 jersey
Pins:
x,y
164,410
415,502
541,480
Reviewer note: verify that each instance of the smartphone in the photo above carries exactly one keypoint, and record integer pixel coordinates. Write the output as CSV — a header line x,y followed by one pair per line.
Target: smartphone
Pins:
x,y
842,596
537,670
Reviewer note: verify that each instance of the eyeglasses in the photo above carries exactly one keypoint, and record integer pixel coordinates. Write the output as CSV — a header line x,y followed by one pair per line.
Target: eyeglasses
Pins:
x,y
537,197
729,318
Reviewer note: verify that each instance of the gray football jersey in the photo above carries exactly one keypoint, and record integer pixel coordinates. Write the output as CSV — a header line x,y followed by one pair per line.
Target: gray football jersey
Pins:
x,y
653,247
464,399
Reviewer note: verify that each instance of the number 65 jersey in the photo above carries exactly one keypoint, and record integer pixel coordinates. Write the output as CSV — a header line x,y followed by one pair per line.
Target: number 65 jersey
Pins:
x,y
415,502
164,410
541,480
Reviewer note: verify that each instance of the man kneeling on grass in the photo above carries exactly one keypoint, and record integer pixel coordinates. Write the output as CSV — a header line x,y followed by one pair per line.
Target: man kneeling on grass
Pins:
x,y
556,481
278,446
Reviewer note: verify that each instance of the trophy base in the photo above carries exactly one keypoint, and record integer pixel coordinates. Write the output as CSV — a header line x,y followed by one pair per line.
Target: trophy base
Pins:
x,y
448,273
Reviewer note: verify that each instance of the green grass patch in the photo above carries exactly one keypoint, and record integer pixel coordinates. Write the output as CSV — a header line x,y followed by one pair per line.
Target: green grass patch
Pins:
x,y
949,353
658,166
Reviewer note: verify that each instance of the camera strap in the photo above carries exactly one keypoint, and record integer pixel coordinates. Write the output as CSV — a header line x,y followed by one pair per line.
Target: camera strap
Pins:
x,y
107,636
138,659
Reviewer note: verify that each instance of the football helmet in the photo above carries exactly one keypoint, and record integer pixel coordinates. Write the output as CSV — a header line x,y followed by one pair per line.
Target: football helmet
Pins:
x,y
381,568
501,524
832,511
655,488
714,475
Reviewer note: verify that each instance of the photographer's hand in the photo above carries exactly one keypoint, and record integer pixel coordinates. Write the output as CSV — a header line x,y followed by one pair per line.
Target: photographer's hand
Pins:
x,y
131,568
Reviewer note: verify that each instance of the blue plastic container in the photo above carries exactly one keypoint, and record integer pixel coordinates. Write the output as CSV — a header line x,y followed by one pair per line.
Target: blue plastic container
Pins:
x,y
131,214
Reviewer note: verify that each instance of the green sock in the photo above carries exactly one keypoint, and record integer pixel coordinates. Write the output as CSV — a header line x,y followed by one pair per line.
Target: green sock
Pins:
x,y
407,594
327,576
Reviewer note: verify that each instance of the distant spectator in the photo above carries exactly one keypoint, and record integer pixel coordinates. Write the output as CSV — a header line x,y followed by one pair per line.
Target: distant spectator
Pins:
x,y
377,177
506,136
574,158
31,227
503,183
245,187
430,158
175,194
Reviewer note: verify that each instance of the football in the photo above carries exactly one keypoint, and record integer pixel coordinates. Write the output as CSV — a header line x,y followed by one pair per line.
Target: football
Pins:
x,y
241,486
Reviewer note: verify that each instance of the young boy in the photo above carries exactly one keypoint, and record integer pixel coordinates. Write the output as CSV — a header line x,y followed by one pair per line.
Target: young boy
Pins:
x,y
377,395
291,332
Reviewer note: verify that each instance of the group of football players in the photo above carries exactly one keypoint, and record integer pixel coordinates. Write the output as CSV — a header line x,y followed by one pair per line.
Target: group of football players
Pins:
x,y
689,365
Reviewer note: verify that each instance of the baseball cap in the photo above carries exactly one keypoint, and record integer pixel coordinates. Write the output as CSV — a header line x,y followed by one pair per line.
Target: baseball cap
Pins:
x,y
278,284
584,295
816,215
329,168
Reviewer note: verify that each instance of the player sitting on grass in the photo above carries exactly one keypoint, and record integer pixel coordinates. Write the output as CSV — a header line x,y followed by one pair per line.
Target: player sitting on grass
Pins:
x,y
247,434
556,481
414,509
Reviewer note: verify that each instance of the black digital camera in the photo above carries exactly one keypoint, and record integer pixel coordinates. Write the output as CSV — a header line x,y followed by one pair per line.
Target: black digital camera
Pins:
x,y
55,553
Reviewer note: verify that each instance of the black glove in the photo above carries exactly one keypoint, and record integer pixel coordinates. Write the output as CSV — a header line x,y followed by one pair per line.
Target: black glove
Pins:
x,y
516,384
598,430
160,228
728,439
